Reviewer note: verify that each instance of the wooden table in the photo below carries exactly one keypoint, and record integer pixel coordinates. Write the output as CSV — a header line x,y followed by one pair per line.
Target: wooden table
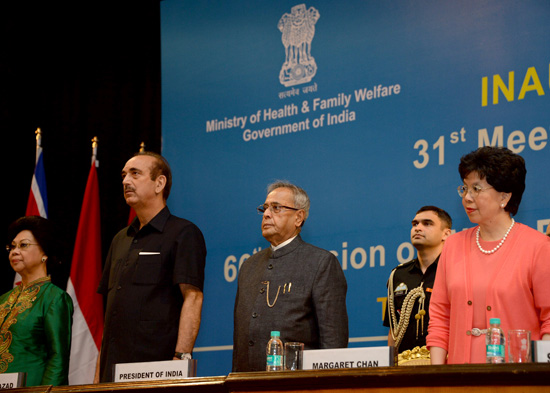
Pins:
x,y
479,378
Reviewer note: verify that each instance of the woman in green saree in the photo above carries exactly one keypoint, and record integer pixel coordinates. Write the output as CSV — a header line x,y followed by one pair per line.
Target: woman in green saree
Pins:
x,y
35,316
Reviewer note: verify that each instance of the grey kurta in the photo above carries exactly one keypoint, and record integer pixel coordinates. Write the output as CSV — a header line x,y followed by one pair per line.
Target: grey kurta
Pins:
x,y
307,292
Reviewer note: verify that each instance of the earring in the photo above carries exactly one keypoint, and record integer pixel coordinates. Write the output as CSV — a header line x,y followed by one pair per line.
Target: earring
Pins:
x,y
43,259
502,205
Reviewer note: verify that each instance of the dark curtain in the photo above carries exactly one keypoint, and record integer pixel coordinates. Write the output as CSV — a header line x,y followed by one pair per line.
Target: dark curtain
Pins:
x,y
76,70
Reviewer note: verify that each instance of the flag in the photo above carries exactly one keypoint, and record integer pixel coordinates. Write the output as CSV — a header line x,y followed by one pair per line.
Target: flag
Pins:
x,y
131,216
82,286
37,204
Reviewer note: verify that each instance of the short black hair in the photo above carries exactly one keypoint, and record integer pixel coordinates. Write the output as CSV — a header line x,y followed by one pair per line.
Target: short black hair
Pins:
x,y
504,170
45,233
442,214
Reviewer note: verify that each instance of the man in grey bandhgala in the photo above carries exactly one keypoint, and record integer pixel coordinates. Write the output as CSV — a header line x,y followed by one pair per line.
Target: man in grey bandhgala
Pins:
x,y
291,286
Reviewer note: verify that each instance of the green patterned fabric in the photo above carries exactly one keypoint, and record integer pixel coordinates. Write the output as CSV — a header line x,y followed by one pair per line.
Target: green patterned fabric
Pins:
x,y
35,332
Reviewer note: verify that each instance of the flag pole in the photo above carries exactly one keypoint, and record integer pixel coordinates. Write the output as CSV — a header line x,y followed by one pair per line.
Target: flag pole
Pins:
x,y
94,150
38,133
142,147
83,282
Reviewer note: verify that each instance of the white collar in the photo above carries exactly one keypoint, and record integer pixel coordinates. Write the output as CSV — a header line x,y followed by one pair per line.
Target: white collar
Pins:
x,y
275,248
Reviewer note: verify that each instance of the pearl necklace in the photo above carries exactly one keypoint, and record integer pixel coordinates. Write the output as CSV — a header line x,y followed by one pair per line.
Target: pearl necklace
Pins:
x,y
499,244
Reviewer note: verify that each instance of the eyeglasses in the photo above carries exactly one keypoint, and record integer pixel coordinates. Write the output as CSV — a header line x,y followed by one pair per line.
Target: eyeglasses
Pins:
x,y
475,190
22,246
274,207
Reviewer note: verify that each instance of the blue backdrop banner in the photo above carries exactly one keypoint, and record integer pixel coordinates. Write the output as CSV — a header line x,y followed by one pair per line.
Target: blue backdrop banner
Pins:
x,y
367,105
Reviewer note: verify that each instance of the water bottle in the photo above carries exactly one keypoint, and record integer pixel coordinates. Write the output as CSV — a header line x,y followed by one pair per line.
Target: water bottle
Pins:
x,y
274,352
495,342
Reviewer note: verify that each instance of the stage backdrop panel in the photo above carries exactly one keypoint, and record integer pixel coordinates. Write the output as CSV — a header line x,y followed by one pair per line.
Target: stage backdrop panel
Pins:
x,y
367,105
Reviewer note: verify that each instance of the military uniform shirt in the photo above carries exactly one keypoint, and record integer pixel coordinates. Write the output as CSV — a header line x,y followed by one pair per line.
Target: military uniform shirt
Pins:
x,y
411,276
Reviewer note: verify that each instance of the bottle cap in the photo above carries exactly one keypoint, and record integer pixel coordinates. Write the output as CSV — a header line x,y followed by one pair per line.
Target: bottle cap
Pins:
x,y
494,320
275,333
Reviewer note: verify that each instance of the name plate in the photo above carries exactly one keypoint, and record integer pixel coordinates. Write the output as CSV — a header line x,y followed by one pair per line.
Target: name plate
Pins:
x,y
324,359
541,351
155,371
12,380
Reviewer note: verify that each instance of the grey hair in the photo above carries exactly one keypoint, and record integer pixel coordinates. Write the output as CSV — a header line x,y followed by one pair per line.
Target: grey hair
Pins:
x,y
301,200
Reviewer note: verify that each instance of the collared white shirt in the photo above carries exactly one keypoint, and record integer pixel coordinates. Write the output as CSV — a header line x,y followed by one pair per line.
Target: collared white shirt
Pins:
x,y
274,248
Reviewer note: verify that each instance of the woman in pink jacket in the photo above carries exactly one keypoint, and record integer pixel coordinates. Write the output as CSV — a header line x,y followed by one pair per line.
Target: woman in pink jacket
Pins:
x,y
498,269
